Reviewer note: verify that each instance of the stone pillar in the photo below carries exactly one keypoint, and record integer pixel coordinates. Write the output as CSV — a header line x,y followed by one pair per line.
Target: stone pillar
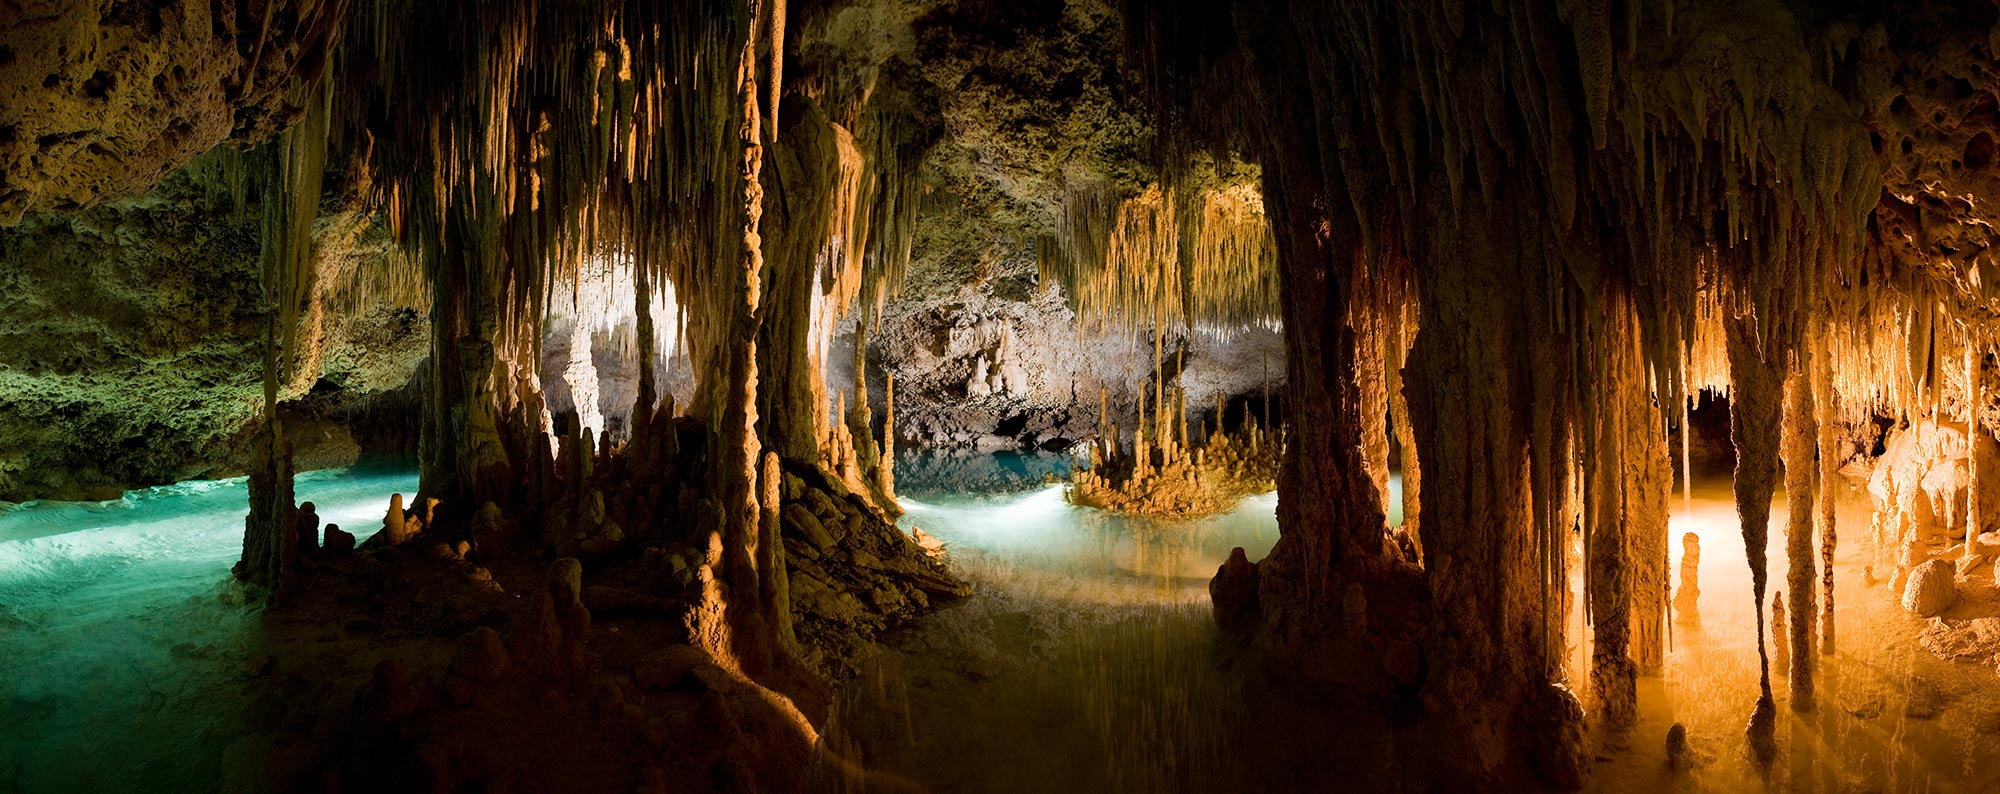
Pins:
x,y
1801,441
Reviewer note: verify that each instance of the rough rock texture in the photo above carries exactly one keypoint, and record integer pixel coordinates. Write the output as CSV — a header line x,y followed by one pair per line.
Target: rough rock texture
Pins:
x,y
135,356
100,100
998,363
125,363
1923,476
1975,640
1920,488
1031,108
1687,596
1931,589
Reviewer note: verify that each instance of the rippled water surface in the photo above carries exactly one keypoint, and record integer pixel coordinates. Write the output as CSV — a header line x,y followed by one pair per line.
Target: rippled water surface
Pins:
x,y
123,636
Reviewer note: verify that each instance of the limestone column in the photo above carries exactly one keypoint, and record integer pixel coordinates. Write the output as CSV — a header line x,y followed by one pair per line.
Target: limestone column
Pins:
x,y
1801,437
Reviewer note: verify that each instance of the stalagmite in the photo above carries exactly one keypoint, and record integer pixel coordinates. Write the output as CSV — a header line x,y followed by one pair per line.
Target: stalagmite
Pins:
x,y
1781,647
1974,434
1801,436
1687,598
1829,476
885,475
775,581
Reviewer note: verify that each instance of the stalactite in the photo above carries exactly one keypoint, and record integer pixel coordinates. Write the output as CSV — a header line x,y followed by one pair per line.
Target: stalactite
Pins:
x,y
1755,399
289,172
885,474
1204,260
1801,438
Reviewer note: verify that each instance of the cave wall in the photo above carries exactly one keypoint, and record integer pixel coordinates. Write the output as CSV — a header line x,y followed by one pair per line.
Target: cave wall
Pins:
x,y
136,360
1000,362
101,100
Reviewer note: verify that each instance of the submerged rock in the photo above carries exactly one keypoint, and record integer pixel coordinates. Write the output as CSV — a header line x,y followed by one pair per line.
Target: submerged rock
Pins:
x,y
1931,589
1762,732
1677,747
1921,699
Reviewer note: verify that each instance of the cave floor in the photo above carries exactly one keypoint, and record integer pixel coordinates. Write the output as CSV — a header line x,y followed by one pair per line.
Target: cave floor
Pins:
x,y
1087,662
1891,716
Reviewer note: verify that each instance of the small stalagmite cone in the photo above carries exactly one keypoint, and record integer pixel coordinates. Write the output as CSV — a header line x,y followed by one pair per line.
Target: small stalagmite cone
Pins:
x,y
392,523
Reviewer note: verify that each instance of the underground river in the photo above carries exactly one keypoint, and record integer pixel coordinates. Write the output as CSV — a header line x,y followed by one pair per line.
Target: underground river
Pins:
x,y
1085,661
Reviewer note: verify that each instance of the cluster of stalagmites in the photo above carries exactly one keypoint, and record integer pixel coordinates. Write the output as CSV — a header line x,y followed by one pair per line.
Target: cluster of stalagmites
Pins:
x,y
595,648
1174,478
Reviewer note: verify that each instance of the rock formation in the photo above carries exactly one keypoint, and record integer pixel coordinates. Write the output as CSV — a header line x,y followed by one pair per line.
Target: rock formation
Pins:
x,y
1687,597
1932,589
1501,246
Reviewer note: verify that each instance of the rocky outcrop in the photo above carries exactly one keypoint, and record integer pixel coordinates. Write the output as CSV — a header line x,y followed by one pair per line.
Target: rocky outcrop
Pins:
x,y
1922,486
853,574
101,100
1923,478
124,362
999,363
1233,592
135,356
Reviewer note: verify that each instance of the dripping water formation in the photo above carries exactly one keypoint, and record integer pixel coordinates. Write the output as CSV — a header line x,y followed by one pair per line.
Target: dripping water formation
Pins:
x,y
999,395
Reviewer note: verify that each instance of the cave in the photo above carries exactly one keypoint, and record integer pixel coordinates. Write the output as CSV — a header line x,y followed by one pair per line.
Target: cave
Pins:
x,y
999,395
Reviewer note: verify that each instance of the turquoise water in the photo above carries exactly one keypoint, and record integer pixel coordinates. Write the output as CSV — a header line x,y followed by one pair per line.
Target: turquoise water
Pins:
x,y
1038,533
123,636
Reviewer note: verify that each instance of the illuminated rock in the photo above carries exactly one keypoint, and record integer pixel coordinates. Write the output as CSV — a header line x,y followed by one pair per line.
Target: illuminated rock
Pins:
x,y
1922,479
1677,747
395,530
566,581
1687,599
1931,589
1781,647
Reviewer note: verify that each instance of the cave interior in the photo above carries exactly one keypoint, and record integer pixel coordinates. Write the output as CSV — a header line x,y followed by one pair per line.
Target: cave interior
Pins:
x,y
999,395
